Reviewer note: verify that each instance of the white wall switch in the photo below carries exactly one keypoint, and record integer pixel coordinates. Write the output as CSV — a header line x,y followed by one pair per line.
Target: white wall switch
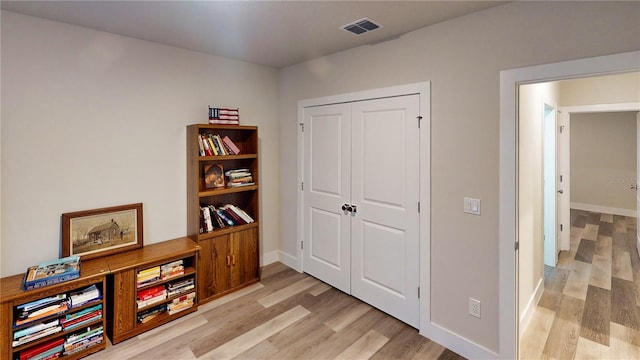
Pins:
x,y
472,206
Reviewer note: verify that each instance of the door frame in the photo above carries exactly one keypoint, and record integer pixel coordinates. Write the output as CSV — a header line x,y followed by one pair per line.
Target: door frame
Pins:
x,y
550,183
424,90
508,190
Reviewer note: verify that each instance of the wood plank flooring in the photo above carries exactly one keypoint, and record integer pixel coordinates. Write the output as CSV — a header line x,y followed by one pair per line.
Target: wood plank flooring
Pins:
x,y
287,316
590,307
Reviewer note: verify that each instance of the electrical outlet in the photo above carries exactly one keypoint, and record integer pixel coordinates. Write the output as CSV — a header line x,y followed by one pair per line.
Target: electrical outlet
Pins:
x,y
474,307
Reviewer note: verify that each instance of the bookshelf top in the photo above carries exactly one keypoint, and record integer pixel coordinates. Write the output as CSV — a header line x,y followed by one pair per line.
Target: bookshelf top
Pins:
x,y
225,127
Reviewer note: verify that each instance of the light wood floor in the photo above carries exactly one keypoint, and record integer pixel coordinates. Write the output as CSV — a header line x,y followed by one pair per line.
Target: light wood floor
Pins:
x,y
287,316
590,307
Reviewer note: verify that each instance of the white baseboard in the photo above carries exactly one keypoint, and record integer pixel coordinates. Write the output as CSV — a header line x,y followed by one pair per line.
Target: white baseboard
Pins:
x,y
277,255
457,343
604,209
527,314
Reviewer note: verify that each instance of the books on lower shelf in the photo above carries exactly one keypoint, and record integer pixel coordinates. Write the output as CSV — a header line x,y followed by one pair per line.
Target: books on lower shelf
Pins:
x,y
182,303
52,272
148,276
150,314
83,339
47,350
212,217
84,296
150,296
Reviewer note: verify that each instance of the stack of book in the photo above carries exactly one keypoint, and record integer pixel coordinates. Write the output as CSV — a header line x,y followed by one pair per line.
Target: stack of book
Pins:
x,y
148,276
215,145
83,339
82,317
224,116
47,350
81,297
35,332
212,218
239,177
179,287
151,296
171,269
182,303
148,315
41,308
52,272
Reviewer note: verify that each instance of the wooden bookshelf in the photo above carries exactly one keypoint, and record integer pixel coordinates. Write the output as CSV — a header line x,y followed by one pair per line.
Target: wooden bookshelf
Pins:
x,y
229,256
92,272
123,323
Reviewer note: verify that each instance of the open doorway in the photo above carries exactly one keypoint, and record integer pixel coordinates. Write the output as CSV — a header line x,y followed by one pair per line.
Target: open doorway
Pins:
x,y
509,240
562,311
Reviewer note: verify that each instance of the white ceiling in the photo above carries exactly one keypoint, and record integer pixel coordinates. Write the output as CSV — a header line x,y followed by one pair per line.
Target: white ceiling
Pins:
x,y
272,33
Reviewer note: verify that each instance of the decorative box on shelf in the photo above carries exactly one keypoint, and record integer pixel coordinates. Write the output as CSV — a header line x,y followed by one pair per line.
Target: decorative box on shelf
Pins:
x,y
52,272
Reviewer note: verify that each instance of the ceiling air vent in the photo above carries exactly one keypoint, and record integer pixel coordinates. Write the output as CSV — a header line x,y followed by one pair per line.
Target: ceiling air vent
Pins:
x,y
361,26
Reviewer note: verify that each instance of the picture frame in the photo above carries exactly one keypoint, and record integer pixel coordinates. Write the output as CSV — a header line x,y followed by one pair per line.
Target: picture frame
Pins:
x,y
100,232
213,175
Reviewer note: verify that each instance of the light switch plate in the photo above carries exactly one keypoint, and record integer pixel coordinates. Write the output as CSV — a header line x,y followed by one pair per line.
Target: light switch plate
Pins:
x,y
472,206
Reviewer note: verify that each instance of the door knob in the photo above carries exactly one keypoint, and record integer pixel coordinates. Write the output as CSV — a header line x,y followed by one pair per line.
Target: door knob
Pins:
x,y
560,191
634,187
347,207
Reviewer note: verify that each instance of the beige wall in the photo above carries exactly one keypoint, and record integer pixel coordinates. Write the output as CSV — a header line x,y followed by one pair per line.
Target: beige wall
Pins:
x,y
603,159
530,186
463,58
607,89
91,119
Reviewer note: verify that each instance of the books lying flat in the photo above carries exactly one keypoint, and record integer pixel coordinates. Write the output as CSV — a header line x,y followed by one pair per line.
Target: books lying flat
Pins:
x,y
40,313
42,351
36,332
81,297
52,272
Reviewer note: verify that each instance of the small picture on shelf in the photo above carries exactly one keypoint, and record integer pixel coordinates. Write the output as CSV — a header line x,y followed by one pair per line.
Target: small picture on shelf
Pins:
x,y
213,176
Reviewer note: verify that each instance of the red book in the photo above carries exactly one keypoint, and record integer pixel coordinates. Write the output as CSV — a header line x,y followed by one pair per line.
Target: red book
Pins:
x,y
67,323
236,219
150,292
29,353
234,149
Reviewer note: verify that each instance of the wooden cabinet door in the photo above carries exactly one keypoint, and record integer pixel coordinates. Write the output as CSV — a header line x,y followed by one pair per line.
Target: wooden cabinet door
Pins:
x,y
213,266
244,256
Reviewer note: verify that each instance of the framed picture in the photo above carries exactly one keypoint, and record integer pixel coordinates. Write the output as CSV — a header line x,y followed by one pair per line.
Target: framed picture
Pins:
x,y
213,176
100,232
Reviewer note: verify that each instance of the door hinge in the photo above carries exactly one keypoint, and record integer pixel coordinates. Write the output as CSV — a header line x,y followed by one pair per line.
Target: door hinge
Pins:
x,y
418,207
561,227
302,186
419,118
302,127
560,178
418,292
516,245
561,128
302,245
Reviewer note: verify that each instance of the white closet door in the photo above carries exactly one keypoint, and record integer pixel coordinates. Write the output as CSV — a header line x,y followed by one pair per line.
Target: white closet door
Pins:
x,y
385,190
327,182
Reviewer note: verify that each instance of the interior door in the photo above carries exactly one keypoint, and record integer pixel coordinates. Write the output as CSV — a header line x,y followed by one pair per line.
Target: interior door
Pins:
x,y
326,187
385,192
637,181
564,176
551,186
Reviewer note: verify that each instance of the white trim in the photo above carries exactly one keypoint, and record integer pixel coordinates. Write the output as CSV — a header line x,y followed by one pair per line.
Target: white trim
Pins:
x,y
509,81
279,256
618,107
458,343
530,309
604,209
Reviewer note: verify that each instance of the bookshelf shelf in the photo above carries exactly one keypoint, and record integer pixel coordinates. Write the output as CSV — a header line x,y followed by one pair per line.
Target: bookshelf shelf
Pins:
x,y
228,259
92,272
124,321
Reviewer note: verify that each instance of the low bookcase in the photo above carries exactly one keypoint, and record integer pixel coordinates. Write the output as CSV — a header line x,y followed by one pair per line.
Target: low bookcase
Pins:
x,y
131,317
13,297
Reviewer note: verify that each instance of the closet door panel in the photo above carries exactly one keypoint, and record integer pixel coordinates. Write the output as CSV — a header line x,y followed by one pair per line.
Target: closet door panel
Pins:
x,y
327,174
385,190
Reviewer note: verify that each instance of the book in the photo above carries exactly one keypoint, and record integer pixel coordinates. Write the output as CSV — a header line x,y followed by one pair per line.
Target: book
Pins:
x,y
213,176
41,314
231,145
205,144
41,348
80,297
52,272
